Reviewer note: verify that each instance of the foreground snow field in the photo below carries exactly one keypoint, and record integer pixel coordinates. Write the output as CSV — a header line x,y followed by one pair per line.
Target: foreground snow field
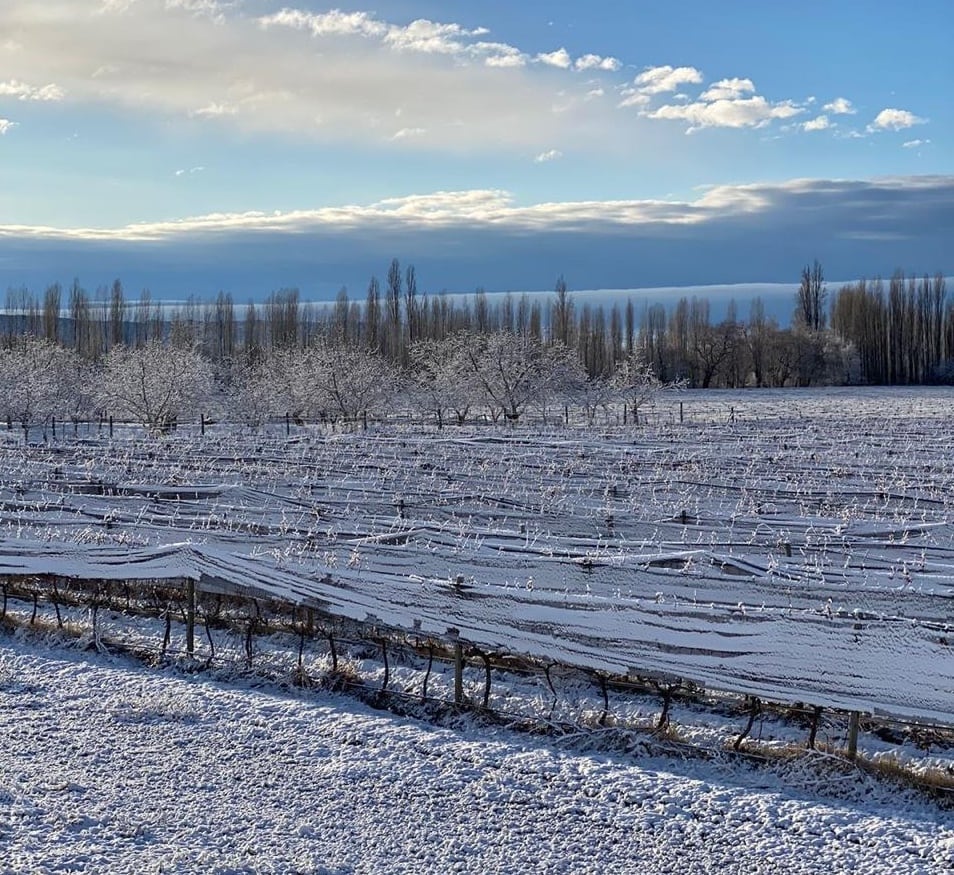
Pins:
x,y
109,766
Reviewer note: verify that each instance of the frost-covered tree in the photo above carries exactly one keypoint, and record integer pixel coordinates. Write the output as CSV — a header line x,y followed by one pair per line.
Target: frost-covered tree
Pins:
x,y
36,380
441,378
262,388
511,371
344,381
155,384
636,383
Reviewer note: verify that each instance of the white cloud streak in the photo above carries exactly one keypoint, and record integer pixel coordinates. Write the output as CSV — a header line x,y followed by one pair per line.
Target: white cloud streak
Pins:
x,y
549,155
6,125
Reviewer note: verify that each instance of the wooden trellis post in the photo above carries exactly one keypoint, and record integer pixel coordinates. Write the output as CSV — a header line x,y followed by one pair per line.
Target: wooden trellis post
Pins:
x,y
190,617
853,721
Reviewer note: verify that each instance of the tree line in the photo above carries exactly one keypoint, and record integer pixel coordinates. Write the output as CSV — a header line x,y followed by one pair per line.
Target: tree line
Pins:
x,y
899,332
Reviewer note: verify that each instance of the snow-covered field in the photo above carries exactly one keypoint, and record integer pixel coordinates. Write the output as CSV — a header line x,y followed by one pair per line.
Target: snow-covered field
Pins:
x,y
112,767
798,546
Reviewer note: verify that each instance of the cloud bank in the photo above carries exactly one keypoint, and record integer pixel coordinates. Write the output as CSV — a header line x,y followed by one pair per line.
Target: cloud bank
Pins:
x,y
461,240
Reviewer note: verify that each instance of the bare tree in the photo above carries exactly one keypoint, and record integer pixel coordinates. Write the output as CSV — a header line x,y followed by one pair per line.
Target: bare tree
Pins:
x,y
155,384
810,313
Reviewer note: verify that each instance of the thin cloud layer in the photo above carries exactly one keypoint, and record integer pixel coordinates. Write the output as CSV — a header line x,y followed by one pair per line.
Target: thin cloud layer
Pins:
x,y
355,77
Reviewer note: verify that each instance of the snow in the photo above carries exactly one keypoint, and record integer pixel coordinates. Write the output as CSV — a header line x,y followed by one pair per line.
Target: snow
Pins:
x,y
794,546
112,766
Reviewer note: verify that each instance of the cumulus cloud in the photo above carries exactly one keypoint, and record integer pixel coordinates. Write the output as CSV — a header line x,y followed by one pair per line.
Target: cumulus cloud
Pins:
x,y
895,120
22,91
560,58
840,106
914,144
549,155
6,125
748,112
333,23
658,80
728,89
597,62
819,123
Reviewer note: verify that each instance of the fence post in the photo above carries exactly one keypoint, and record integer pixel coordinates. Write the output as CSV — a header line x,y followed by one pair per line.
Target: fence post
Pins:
x,y
202,422
853,721
110,425
458,673
54,427
190,617
287,425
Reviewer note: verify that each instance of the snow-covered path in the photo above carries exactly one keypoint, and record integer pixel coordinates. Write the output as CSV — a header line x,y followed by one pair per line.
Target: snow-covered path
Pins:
x,y
111,767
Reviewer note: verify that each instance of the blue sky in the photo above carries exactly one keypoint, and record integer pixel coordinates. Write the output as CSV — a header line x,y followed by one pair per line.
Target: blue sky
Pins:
x,y
247,145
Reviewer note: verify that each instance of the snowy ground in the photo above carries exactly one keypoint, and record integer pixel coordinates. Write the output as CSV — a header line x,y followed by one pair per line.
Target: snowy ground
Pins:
x,y
797,546
109,766
773,543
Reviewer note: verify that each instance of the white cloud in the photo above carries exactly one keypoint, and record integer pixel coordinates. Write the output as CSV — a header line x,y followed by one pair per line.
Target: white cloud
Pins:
x,y
214,110
840,106
336,76
749,112
549,155
560,58
819,123
409,133
728,89
6,125
428,37
190,171
331,77
333,23
497,208
895,120
632,97
658,80
913,144
213,9
499,54
597,62
22,91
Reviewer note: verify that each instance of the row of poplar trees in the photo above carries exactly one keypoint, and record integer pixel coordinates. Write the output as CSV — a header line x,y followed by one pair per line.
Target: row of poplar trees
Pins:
x,y
895,332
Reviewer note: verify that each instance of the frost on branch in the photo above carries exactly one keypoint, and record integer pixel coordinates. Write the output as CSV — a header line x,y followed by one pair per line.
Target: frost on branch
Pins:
x,y
37,378
155,384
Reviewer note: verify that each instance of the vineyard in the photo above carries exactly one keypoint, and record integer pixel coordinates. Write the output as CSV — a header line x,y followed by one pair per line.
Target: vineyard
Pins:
x,y
795,547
